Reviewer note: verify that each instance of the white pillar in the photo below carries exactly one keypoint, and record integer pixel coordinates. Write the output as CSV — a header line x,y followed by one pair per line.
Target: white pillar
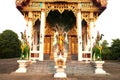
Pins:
x,y
91,37
79,26
30,29
42,26
92,33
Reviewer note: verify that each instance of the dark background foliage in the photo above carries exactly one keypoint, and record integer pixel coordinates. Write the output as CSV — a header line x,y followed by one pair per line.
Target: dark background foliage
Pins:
x,y
9,44
111,52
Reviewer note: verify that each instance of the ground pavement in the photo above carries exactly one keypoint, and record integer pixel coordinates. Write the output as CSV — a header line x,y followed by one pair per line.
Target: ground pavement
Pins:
x,y
8,67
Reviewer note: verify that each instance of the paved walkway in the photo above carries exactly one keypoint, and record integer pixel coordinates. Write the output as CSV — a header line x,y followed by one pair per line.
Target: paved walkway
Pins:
x,y
27,76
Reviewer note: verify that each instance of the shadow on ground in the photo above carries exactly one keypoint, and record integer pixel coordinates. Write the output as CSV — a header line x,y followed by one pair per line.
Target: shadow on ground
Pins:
x,y
8,66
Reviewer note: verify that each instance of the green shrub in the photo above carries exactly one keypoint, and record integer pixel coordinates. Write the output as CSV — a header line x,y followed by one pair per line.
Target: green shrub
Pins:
x,y
9,44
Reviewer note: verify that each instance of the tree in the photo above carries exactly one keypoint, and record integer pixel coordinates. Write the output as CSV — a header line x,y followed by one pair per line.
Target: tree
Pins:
x,y
105,50
9,44
115,48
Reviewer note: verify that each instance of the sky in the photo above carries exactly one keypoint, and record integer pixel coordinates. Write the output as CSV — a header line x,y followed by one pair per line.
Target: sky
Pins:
x,y
10,17
108,22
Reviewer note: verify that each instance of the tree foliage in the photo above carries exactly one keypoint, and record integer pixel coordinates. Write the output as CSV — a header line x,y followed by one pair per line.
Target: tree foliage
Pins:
x,y
105,50
9,44
115,49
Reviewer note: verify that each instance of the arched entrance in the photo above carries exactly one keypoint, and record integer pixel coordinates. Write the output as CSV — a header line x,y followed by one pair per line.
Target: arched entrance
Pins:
x,y
63,23
86,48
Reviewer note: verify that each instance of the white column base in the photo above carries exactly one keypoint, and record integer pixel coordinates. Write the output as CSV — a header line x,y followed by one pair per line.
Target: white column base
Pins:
x,y
100,71
41,57
22,66
80,56
21,70
60,72
99,67
60,75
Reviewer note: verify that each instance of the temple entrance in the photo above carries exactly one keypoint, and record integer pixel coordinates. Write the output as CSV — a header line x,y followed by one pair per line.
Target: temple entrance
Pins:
x,y
74,47
62,24
47,47
66,22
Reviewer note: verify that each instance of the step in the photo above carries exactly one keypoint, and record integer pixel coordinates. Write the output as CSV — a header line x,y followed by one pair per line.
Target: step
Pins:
x,y
72,67
76,67
42,67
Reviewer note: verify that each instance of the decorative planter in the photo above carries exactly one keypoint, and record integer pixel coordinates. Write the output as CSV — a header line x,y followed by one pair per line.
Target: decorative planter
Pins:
x,y
22,66
99,67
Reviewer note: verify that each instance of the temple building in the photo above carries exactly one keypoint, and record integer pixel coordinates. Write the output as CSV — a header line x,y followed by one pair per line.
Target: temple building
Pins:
x,y
46,20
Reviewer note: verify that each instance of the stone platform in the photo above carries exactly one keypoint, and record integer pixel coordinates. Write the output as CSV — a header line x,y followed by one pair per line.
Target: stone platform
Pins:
x,y
72,68
9,66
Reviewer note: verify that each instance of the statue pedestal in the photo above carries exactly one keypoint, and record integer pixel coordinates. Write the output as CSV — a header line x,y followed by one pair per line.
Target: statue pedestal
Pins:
x,y
99,67
60,65
22,66
60,73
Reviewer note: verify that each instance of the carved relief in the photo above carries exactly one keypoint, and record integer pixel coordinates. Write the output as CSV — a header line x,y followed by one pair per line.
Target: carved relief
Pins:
x,y
48,31
60,7
86,4
36,15
35,4
95,15
73,31
86,16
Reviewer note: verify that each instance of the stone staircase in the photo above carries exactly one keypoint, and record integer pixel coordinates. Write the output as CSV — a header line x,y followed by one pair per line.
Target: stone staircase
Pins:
x,y
79,68
43,67
72,68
